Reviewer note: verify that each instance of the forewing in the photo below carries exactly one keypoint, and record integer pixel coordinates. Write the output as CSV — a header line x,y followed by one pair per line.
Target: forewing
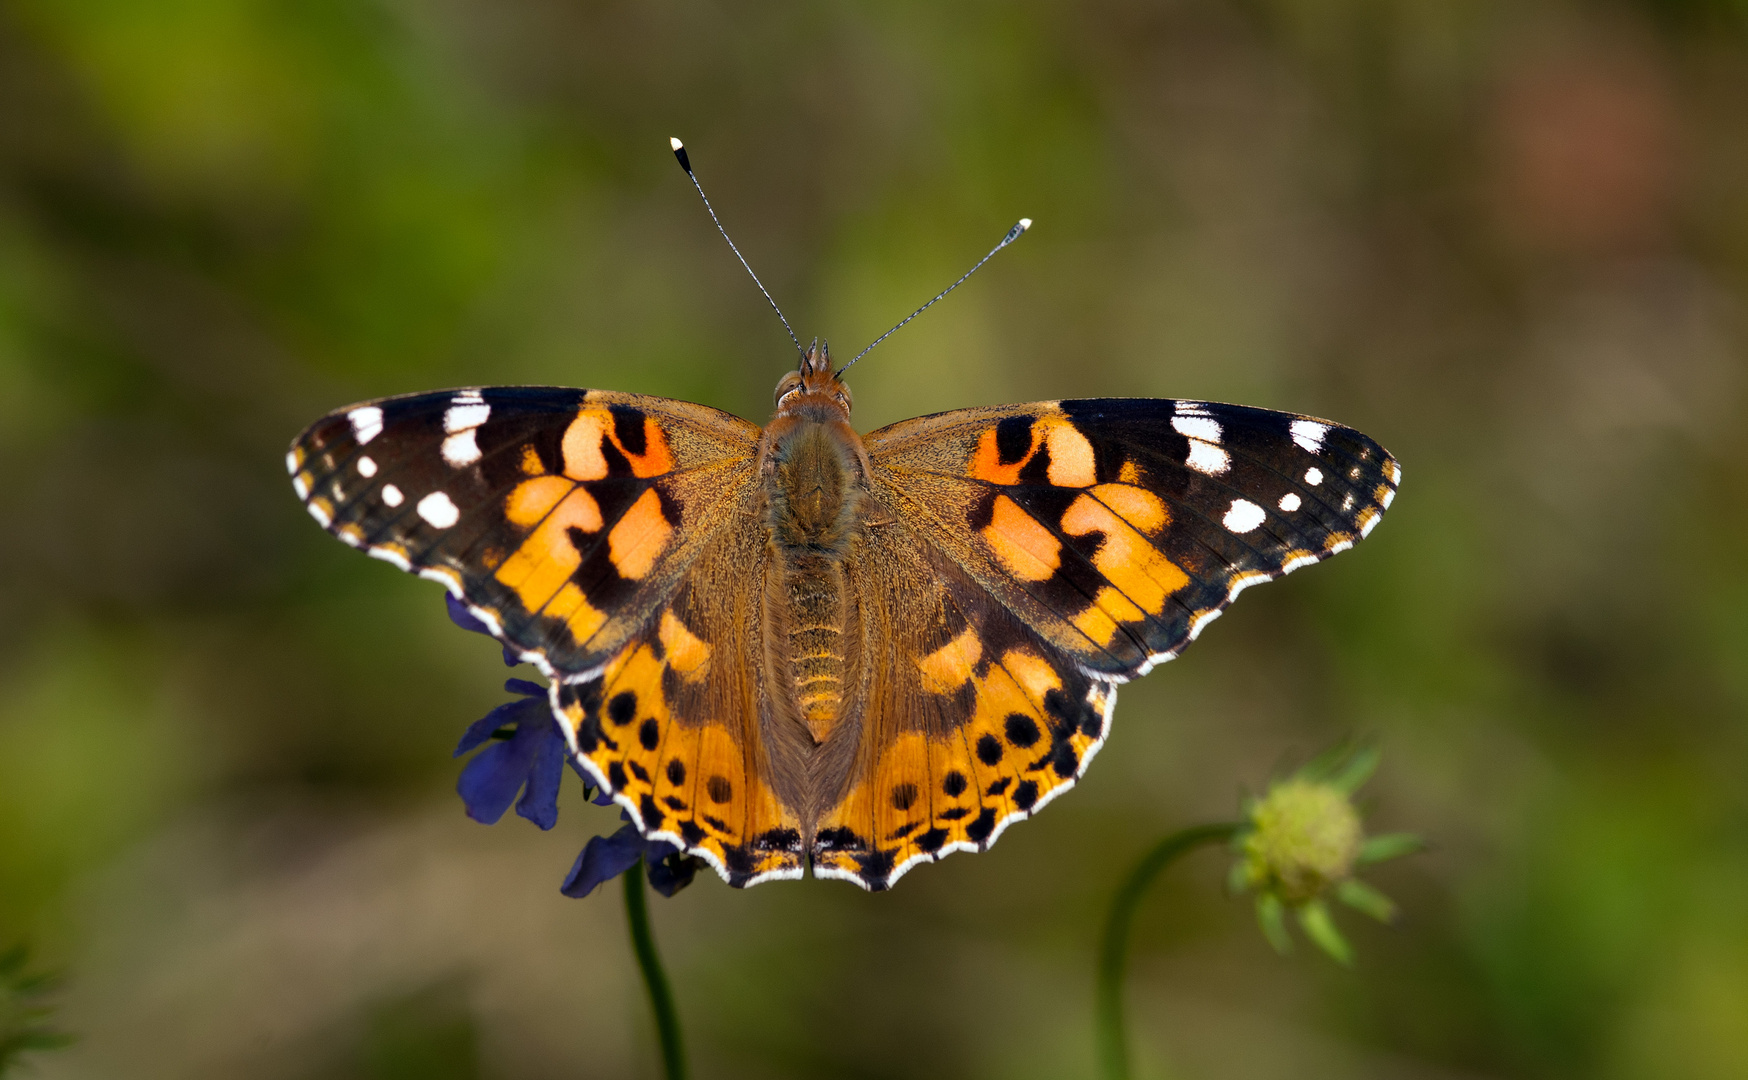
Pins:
x,y
1118,528
563,517
969,718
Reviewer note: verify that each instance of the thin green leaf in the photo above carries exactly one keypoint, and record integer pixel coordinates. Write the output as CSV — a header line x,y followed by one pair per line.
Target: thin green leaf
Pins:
x,y
1315,920
1271,915
1356,770
1377,849
1325,765
1237,878
1363,898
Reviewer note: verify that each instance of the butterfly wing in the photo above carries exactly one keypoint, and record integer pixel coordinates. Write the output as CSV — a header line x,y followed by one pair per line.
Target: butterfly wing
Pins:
x,y
609,538
1023,561
563,517
673,728
1119,527
968,717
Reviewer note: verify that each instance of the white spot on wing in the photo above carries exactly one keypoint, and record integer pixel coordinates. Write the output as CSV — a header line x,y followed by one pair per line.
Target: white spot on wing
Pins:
x,y
438,511
1197,427
1369,524
460,449
464,414
319,513
1395,471
301,486
366,423
1309,434
1289,502
1296,562
1243,516
1207,458
366,466
1389,497
1314,476
392,495
291,463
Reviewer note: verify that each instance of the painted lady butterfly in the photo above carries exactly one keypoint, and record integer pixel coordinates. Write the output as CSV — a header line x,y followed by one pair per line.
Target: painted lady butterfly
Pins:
x,y
797,645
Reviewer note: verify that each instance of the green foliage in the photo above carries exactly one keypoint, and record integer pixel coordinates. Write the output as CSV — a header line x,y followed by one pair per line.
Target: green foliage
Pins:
x,y
25,1012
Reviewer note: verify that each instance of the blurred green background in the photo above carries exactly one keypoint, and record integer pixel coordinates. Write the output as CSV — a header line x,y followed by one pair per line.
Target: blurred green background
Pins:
x,y
1509,240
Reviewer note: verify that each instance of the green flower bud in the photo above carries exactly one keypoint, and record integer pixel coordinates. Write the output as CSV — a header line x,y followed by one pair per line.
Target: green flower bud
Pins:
x,y
1304,837
1302,842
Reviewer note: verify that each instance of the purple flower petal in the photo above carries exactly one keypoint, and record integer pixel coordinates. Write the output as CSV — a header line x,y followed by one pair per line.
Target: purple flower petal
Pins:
x,y
604,858
669,875
525,688
467,620
460,616
483,728
539,802
489,782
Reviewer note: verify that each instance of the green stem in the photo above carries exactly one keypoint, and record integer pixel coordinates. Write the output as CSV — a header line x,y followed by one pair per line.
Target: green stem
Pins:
x,y
661,998
1114,950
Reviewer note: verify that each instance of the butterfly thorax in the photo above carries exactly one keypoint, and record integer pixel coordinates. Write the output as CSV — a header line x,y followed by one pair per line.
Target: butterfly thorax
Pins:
x,y
813,464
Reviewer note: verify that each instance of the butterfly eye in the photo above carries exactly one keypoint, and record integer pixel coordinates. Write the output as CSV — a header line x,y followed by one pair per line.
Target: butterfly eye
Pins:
x,y
788,385
843,396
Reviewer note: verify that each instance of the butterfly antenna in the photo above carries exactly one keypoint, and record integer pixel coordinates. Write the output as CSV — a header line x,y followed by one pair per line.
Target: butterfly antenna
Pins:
x,y
686,163
1013,234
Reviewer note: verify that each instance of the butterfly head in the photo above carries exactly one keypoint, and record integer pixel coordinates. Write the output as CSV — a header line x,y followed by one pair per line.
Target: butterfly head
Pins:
x,y
812,390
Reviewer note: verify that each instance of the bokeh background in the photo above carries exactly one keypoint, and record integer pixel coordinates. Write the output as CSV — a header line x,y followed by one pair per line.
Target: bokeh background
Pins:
x,y
1508,239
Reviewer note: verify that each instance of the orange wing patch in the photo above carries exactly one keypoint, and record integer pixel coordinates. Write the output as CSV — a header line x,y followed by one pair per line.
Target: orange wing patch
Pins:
x,y
1071,459
587,437
1023,546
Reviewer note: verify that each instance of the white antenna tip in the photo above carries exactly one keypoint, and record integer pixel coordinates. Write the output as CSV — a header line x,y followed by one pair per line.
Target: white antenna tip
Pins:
x,y
1025,223
675,143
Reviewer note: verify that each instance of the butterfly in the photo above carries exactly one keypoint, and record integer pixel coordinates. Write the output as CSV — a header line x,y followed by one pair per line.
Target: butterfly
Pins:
x,y
798,646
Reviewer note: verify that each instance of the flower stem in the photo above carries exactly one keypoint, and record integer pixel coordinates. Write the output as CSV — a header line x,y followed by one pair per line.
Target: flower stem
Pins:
x,y
1114,950
661,998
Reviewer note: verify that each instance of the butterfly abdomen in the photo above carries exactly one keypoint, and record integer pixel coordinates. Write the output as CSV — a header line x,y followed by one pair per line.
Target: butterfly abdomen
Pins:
x,y
814,487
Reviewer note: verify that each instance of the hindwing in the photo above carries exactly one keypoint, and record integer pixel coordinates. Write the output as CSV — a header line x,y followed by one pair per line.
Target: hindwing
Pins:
x,y
672,725
969,718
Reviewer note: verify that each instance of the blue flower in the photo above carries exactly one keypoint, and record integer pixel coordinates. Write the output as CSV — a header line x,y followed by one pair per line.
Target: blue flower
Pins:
x,y
527,755
606,857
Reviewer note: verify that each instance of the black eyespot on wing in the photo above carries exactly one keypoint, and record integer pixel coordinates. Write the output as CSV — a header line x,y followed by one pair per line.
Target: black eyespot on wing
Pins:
x,y
989,750
1021,730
